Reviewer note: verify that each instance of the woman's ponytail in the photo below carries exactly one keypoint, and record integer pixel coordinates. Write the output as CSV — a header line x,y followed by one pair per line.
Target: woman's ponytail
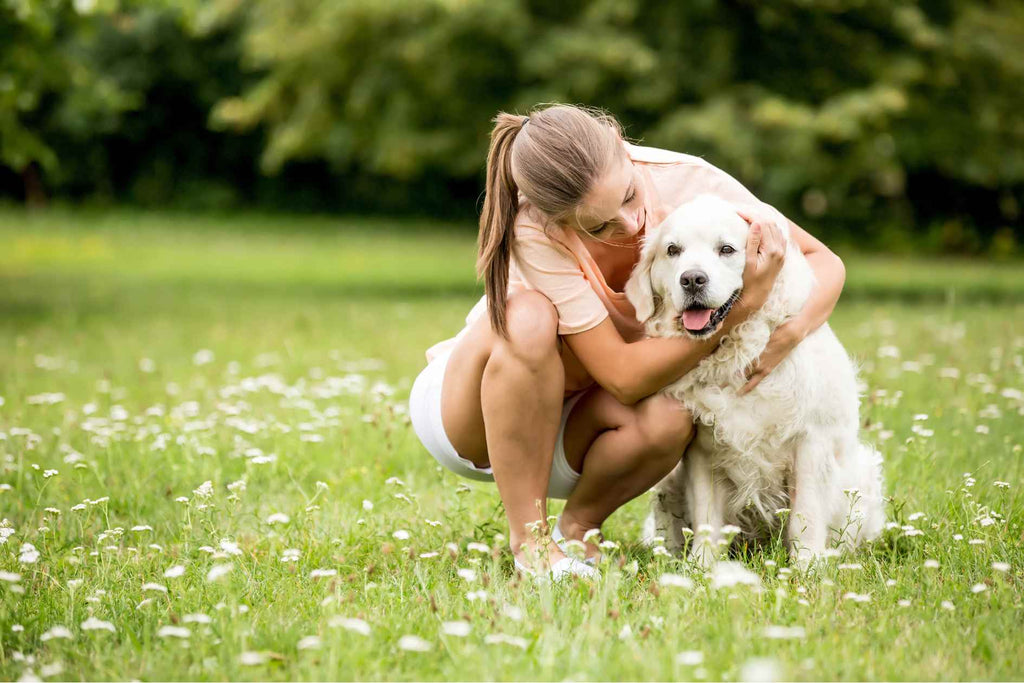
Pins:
x,y
497,221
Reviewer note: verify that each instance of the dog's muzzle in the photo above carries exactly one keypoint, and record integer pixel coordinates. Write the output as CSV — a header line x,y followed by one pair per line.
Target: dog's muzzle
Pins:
x,y
698,320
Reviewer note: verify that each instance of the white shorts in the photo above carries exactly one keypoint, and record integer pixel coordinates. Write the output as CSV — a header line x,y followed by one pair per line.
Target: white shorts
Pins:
x,y
425,412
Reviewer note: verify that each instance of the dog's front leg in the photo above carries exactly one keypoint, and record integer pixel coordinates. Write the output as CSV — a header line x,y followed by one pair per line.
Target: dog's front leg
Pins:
x,y
809,506
705,505
668,512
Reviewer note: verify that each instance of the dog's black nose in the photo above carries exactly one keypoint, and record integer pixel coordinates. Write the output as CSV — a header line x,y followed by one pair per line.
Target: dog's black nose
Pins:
x,y
693,280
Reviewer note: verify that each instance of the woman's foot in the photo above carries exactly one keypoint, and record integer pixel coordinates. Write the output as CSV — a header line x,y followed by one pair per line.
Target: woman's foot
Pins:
x,y
546,559
569,534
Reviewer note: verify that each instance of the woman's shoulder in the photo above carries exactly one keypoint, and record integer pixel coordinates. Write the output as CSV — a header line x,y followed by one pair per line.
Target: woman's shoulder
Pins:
x,y
655,155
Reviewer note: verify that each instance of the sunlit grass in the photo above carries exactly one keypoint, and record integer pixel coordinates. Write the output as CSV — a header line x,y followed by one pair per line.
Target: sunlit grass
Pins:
x,y
178,353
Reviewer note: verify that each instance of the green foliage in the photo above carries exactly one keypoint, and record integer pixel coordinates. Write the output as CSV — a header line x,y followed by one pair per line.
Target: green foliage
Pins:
x,y
858,118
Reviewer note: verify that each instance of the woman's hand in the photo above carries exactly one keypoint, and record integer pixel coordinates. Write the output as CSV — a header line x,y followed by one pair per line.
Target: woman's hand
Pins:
x,y
766,253
784,339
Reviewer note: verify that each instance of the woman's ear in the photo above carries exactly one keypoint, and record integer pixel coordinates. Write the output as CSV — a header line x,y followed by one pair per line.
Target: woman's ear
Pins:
x,y
639,289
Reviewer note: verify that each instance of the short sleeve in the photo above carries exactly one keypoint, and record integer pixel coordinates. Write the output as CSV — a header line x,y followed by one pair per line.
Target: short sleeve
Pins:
x,y
554,272
728,188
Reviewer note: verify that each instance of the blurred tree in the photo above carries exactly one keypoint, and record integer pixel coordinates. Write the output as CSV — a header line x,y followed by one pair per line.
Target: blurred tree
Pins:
x,y
857,117
849,114
47,88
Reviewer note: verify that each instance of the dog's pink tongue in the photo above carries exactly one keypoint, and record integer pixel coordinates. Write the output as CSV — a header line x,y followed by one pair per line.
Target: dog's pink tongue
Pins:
x,y
697,319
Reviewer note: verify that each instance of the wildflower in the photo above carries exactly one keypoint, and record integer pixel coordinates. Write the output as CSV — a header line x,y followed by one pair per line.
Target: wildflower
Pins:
x,y
9,577
916,516
50,473
394,481
473,596
322,573
851,566
250,658
350,624
958,537
198,618
230,547
309,643
154,587
57,632
608,545
205,490
931,564
504,639
1001,566
467,574
203,357
784,632
760,669
29,554
174,572
413,644
986,521
976,541
290,555
591,535
367,505
512,612
173,632
218,571
660,551
142,527
482,548
278,518
427,556
727,574
459,629
690,658
675,581
857,597
947,605
904,603
1001,484
979,588
626,633
94,624
401,535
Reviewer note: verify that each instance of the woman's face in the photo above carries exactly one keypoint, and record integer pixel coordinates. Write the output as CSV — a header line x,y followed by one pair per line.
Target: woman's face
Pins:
x,y
613,210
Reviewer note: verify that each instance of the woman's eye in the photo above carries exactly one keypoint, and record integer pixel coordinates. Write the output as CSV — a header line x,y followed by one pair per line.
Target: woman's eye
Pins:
x,y
674,250
726,250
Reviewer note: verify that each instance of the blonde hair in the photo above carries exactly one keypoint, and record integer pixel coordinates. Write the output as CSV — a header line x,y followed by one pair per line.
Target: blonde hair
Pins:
x,y
554,156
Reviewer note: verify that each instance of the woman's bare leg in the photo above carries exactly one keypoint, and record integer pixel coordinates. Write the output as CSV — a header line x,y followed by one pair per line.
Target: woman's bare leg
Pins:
x,y
621,452
515,387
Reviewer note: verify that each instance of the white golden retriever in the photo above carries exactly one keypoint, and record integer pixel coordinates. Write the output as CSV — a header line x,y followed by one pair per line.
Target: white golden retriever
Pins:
x,y
792,442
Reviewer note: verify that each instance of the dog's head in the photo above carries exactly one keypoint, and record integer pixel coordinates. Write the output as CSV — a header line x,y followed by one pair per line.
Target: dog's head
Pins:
x,y
691,269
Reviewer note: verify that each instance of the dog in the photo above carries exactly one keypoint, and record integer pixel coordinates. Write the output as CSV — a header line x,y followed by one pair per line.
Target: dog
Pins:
x,y
786,453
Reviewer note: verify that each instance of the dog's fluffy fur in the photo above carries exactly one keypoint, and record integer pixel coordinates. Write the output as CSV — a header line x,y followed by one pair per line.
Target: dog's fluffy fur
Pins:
x,y
792,443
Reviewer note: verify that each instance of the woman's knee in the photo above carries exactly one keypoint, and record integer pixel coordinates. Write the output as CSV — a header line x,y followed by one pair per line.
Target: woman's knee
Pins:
x,y
532,328
666,424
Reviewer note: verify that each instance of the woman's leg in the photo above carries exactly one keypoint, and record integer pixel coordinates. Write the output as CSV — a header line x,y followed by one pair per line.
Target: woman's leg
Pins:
x,y
621,452
515,387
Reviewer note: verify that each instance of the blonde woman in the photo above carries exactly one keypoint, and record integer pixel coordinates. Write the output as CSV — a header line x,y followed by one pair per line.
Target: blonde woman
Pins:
x,y
550,390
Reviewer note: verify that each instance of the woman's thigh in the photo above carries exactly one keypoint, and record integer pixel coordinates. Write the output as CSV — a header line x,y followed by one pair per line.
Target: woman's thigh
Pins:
x,y
532,324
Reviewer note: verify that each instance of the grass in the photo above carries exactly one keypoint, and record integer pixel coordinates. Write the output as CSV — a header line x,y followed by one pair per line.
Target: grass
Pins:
x,y
142,355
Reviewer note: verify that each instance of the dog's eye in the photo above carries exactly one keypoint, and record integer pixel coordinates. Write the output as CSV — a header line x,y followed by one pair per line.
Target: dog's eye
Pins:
x,y
674,250
726,250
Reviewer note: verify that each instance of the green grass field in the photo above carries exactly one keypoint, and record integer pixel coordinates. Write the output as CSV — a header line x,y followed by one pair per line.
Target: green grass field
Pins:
x,y
142,355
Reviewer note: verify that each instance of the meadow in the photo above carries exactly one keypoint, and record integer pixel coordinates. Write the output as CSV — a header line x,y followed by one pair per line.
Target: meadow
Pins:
x,y
207,472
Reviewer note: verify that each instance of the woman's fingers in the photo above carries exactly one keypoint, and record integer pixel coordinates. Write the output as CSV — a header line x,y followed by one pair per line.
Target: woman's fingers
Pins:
x,y
753,245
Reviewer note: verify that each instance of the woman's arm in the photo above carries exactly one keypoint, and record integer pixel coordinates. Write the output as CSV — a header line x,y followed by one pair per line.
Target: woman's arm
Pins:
x,y
631,372
830,274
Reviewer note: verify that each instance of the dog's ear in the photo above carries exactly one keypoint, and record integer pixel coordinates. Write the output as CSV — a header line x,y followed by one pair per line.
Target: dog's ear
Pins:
x,y
639,289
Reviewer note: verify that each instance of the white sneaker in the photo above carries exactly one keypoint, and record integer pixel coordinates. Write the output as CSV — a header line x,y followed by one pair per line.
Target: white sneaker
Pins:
x,y
566,566
563,543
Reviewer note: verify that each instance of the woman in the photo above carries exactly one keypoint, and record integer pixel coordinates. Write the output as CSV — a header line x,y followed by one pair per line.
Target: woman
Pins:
x,y
551,388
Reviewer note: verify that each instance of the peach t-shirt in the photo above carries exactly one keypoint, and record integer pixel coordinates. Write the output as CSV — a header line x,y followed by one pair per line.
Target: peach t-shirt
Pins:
x,y
571,270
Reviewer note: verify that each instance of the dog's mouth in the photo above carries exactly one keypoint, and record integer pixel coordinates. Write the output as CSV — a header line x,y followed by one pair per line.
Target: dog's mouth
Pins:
x,y
698,320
